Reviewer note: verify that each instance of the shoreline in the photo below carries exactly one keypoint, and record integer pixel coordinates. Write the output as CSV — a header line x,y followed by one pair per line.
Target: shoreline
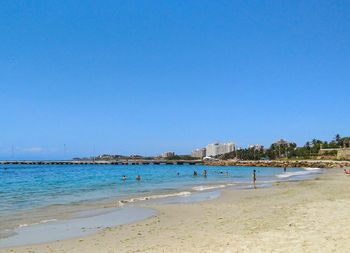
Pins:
x,y
92,221
170,212
56,213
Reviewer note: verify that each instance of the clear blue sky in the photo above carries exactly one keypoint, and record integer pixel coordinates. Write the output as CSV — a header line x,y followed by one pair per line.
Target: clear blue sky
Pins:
x,y
151,76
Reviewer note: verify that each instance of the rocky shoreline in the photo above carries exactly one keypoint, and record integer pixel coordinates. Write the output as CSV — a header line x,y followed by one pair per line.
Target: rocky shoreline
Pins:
x,y
273,163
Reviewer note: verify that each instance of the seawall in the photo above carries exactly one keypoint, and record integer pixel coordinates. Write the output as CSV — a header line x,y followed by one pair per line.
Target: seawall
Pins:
x,y
273,163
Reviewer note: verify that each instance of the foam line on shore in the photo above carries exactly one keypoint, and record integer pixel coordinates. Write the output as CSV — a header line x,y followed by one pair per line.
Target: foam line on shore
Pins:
x,y
199,188
36,223
210,187
159,196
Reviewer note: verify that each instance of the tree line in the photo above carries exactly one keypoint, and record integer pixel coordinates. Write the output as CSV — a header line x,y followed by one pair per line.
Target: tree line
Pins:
x,y
289,150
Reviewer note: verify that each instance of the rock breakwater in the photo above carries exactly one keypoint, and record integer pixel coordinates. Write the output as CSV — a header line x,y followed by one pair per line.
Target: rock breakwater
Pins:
x,y
291,163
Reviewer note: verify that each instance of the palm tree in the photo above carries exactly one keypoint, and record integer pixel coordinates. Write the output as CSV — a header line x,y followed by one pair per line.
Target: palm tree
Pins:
x,y
307,145
337,138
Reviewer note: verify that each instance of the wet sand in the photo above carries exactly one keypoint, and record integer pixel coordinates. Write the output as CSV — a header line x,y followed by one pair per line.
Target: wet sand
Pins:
x,y
302,216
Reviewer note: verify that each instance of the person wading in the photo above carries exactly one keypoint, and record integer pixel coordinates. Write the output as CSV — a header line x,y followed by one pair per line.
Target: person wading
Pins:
x,y
254,178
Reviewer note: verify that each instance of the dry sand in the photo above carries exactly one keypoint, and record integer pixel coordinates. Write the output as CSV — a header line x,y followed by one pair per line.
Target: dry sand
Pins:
x,y
304,216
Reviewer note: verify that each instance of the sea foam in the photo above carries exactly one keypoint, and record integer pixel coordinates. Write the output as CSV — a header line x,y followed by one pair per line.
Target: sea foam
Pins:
x,y
150,197
209,187
306,171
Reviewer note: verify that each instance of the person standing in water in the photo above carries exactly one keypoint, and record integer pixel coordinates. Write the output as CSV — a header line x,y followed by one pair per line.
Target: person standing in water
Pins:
x,y
254,178
194,173
205,173
124,178
285,168
138,178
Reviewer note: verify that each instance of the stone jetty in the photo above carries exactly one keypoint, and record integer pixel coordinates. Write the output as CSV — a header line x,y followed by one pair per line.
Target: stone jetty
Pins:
x,y
124,162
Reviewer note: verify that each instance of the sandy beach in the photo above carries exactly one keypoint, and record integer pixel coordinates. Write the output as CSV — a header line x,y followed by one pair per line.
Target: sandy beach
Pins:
x,y
301,216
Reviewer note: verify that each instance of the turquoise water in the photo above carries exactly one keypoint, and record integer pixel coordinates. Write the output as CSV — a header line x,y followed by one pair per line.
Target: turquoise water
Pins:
x,y
32,194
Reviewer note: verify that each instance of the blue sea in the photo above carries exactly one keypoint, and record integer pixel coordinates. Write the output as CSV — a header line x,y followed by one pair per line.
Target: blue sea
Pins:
x,y
32,195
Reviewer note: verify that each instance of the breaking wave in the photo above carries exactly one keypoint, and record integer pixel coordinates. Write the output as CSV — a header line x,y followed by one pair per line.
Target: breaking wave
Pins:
x,y
209,187
306,171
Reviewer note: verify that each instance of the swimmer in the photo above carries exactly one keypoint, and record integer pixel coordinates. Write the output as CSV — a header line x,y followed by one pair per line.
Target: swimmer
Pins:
x,y
194,173
178,173
124,178
205,173
138,178
226,174
220,171
5,168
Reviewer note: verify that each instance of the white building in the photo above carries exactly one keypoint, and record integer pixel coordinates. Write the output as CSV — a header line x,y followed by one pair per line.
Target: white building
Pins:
x,y
168,154
256,147
199,152
218,148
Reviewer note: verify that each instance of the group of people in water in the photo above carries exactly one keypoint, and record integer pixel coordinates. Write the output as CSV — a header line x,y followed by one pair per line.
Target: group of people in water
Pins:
x,y
205,173
138,178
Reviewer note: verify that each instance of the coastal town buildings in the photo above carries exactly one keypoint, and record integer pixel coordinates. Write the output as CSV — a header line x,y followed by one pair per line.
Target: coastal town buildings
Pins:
x,y
168,154
218,148
199,152
281,142
256,147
